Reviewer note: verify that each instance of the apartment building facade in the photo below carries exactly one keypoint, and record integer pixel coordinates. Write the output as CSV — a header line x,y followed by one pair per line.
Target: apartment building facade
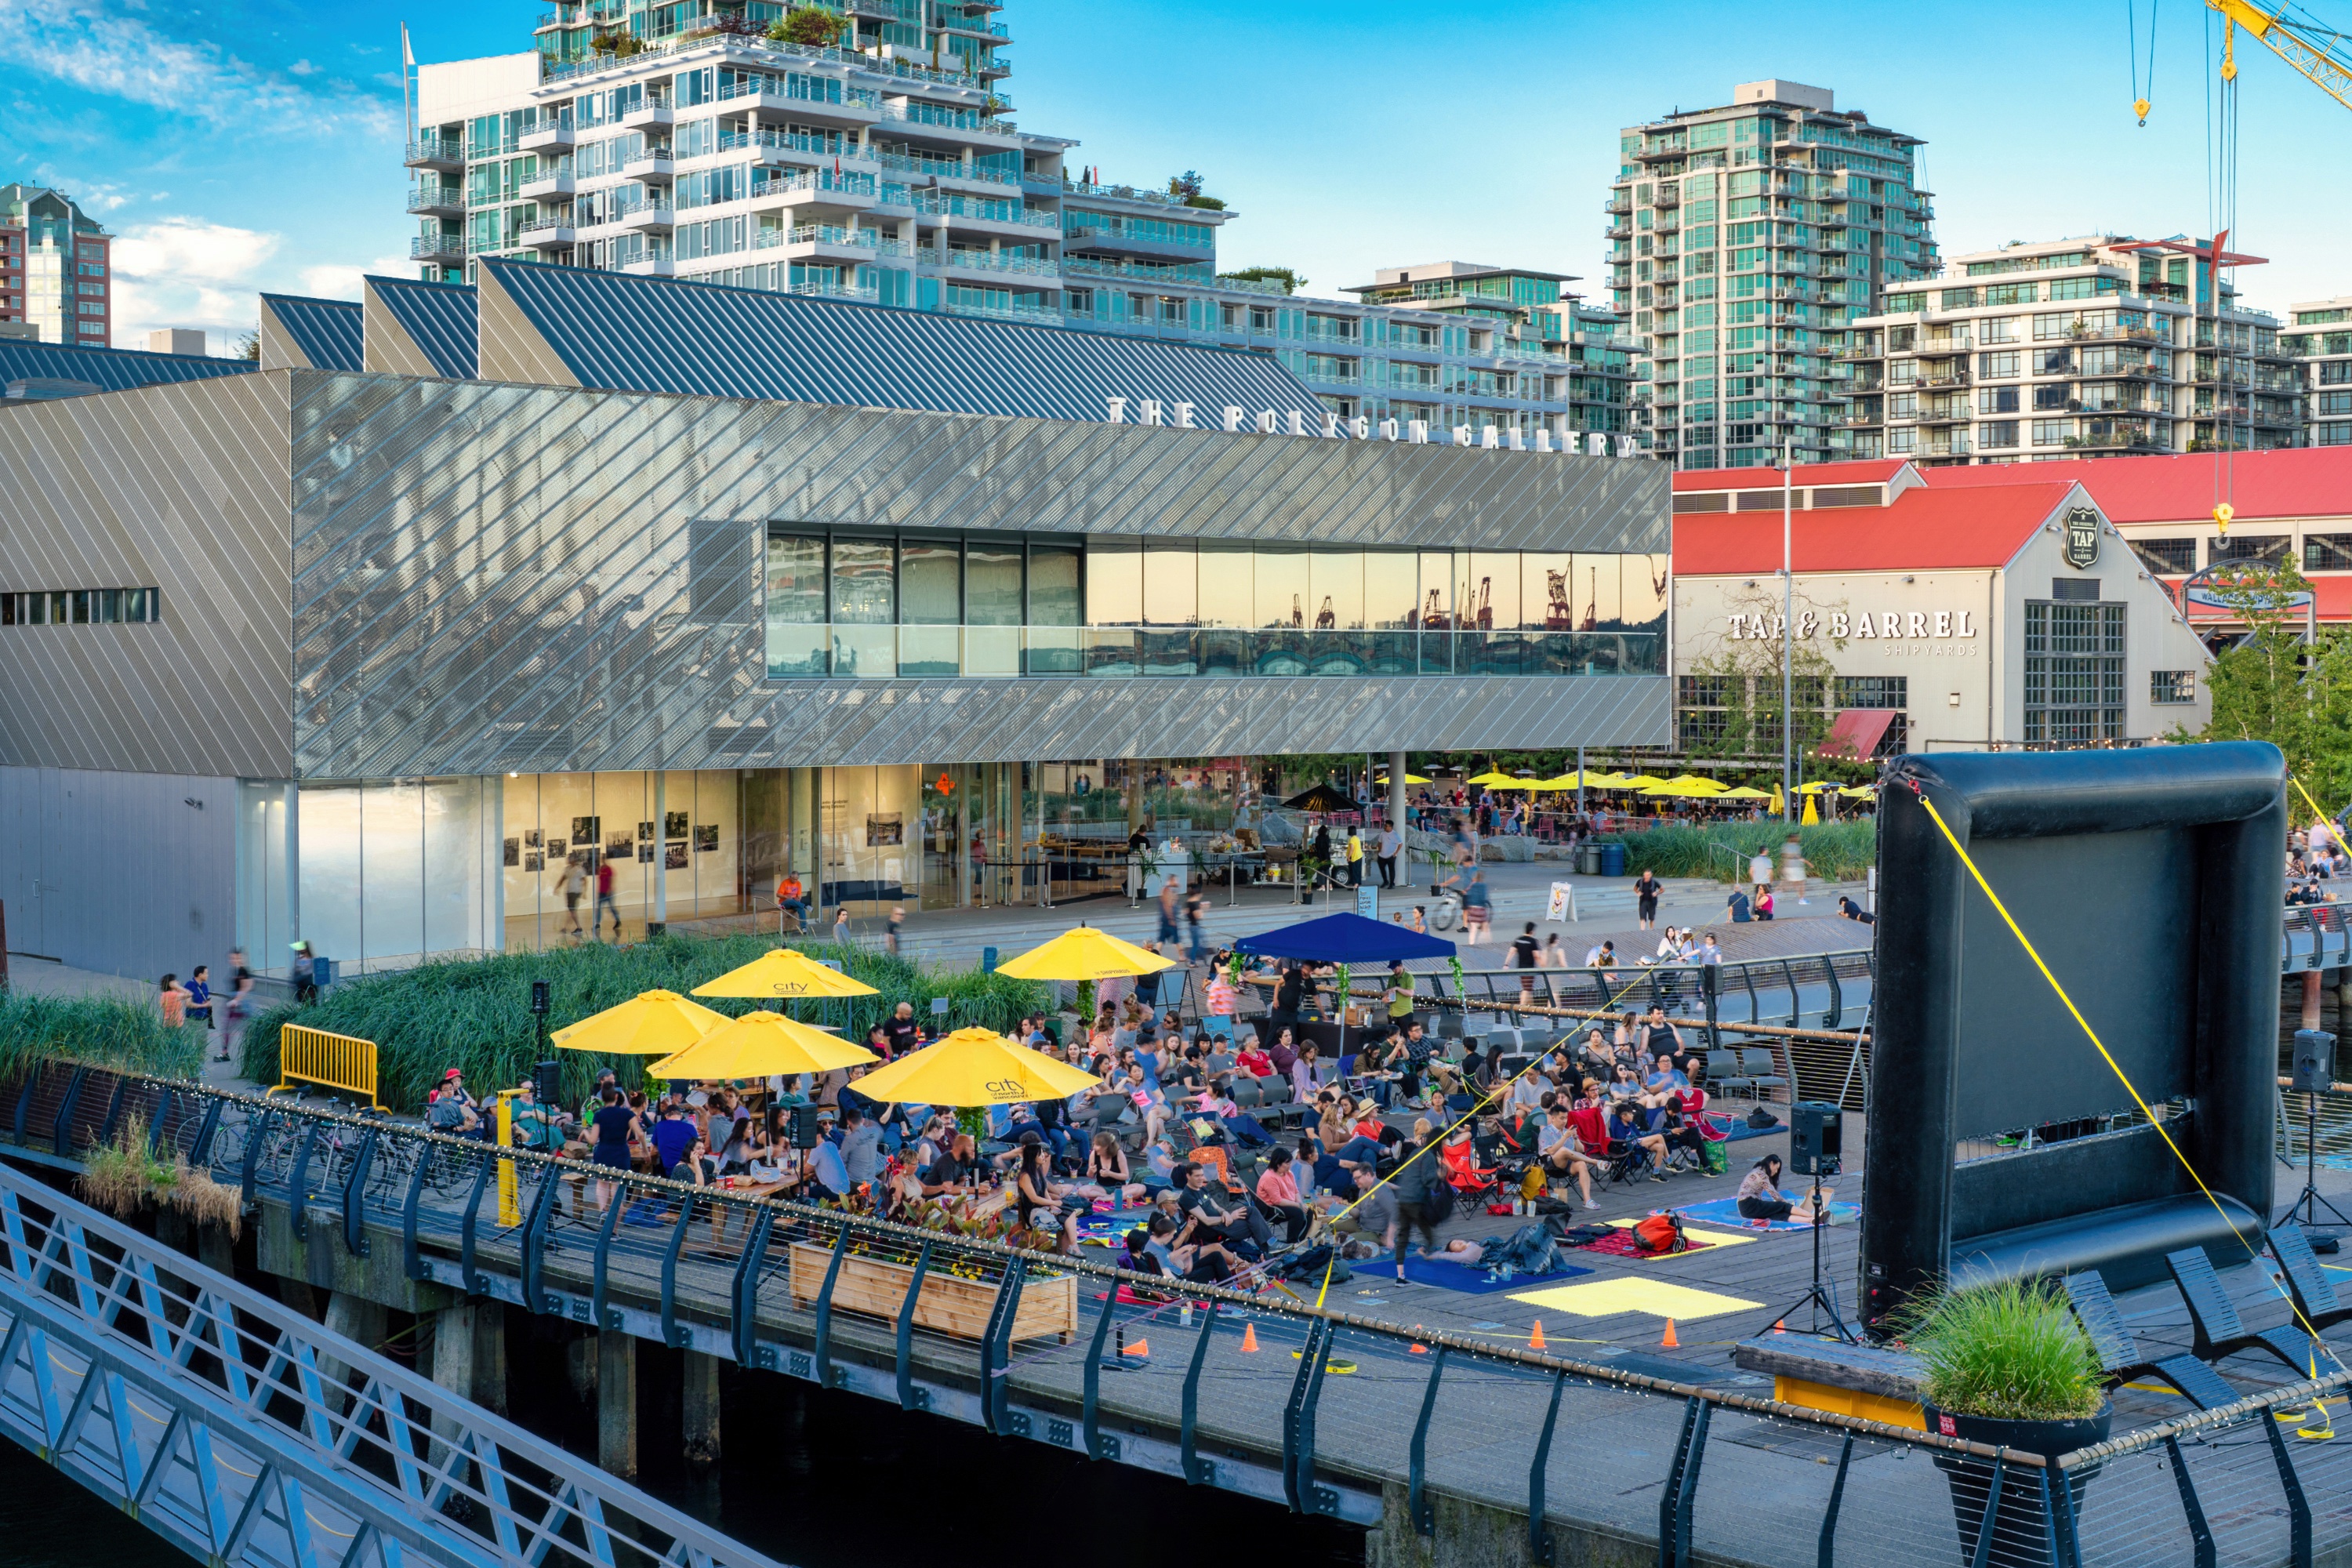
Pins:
x,y
1744,240
2099,345
672,143
2319,340
56,268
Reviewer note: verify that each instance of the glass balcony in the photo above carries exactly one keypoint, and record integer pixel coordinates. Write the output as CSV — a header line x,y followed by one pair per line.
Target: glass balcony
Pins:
x,y
948,652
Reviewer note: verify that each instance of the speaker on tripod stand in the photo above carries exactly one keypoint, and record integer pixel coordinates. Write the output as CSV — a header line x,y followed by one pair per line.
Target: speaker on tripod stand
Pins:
x,y
1816,1138
2312,1076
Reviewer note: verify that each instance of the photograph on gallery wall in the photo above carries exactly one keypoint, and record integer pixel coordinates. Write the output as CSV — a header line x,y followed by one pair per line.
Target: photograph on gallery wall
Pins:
x,y
674,856
886,828
586,829
705,837
646,852
531,840
535,861
673,825
513,849
620,847
645,832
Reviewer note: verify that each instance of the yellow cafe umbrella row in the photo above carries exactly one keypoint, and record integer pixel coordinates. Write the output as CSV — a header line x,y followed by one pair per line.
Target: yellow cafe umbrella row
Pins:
x,y
650,1024
785,973
1084,954
974,1066
762,1044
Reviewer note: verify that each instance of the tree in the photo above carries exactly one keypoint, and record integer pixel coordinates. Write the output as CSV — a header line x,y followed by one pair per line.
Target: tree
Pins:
x,y
248,346
2275,687
1186,185
812,27
1291,281
1742,679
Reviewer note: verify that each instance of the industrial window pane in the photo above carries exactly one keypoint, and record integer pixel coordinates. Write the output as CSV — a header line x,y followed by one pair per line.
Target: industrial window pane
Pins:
x,y
1391,579
1114,582
1492,598
930,583
863,591
1335,586
1171,588
1547,598
1056,598
992,583
1437,595
1282,584
1228,584
796,580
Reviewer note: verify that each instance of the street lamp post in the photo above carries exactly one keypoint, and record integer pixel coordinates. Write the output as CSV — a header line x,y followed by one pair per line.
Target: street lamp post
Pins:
x,y
1788,639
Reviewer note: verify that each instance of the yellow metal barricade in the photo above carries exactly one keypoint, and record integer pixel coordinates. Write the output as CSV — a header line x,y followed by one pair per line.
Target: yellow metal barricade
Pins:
x,y
328,1060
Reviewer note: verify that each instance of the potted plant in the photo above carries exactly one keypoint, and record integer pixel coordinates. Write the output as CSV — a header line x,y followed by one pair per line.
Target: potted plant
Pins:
x,y
2008,1365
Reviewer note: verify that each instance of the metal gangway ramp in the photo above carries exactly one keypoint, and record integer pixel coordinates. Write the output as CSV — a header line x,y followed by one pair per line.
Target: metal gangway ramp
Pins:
x,y
249,1436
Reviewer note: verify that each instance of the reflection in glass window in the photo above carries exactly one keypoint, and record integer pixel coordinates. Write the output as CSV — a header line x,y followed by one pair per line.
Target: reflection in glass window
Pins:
x,y
1546,599
992,582
1595,593
1114,582
1054,597
863,591
1492,602
1391,578
1436,599
1228,584
1171,585
1645,589
1282,584
930,583
1336,583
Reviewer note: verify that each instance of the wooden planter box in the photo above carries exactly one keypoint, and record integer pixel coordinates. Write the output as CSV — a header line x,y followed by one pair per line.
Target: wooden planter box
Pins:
x,y
878,1288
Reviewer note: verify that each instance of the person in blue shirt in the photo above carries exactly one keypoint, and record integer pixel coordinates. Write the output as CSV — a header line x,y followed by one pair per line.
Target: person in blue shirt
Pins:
x,y
1664,1081
671,1135
200,995
828,1174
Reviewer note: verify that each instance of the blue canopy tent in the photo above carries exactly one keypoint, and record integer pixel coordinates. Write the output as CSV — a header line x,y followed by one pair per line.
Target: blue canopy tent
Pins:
x,y
1344,938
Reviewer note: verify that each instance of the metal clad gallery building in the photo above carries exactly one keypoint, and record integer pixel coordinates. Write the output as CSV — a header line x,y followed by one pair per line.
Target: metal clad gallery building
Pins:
x,y
1950,618
705,583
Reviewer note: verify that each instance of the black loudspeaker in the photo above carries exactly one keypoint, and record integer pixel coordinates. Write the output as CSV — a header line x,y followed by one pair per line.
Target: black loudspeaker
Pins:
x,y
547,1084
805,1131
1816,1140
2314,1060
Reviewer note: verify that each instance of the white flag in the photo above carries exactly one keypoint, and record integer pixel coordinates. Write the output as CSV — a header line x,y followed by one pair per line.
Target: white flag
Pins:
x,y
407,55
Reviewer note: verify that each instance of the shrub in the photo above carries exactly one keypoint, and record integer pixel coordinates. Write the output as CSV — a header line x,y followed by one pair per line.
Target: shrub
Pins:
x,y
475,1014
2013,1350
1834,851
813,26
98,1031
123,1178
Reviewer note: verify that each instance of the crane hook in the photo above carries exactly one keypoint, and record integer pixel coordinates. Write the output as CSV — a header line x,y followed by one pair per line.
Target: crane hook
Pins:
x,y
2140,106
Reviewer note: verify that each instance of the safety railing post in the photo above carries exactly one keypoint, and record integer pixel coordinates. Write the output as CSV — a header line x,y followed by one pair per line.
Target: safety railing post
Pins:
x,y
1708,977
606,1317
1417,1503
1090,1379
820,1358
1307,1500
745,1294
1836,1009
2298,1506
996,1346
2200,1534
534,1238
356,1236
164,1102
61,1127
257,1132
299,1184
1991,1519
672,1335
1671,1491
1539,1533
474,1283
1828,1556
1796,1001
906,1338
1188,1435
1686,1494
411,1206
1296,1437
200,1152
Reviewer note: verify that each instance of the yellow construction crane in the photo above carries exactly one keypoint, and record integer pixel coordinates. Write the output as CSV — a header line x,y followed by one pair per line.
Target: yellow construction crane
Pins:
x,y
2304,53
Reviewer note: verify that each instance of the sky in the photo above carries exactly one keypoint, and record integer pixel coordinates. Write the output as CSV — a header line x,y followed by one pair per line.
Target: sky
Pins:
x,y
243,146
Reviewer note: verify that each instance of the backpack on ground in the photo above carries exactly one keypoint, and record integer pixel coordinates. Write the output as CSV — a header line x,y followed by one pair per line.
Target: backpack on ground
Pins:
x,y
1661,1233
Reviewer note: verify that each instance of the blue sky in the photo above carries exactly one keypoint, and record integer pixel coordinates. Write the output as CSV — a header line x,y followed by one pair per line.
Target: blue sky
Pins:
x,y
249,144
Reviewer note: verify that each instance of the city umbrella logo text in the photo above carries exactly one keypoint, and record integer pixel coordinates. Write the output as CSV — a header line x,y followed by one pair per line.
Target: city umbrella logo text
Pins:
x,y
2082,538
1012,1088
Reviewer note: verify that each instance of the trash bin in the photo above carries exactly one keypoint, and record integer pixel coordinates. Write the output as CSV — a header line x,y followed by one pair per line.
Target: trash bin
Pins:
x,y
1588,860
1612,859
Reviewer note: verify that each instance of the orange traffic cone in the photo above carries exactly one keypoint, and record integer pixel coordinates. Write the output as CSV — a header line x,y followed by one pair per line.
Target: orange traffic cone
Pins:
x,y
1249,1337
1419,1350
1140,1347
1670,1343
1536,1340
1781,1327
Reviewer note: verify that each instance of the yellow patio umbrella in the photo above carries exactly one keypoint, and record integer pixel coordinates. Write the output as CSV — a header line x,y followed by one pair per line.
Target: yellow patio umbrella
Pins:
x,y
1817,786
1691,789
785,972
1565,782
1743,792
1812,816
1409,778
1493,780
1860,792
1779,805
650,1024
1603,781
974,1066
1712,786
1510,781
762,1044
1638,781
1084,954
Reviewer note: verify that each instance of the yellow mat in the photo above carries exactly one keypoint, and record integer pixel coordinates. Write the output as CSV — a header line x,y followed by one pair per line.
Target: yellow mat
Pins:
x,y
1610,1298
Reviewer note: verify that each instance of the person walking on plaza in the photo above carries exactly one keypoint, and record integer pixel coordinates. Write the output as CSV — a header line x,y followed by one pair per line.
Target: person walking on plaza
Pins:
x,y
841,925
1167,910
1646,888
174,1001
1525,953
890,934
1759,875
240,1002
305,975
604,901
573,881
1477,907
1196,911
1355,857
1392,848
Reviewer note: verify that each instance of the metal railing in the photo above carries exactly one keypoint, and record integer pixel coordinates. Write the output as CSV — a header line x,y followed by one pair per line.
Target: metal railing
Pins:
x,y
973,1331
327,1060
248,1436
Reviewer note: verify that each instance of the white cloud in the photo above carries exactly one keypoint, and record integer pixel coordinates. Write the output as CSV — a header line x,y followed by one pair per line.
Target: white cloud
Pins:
x,y
301,67
338,282
118,56
188,272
